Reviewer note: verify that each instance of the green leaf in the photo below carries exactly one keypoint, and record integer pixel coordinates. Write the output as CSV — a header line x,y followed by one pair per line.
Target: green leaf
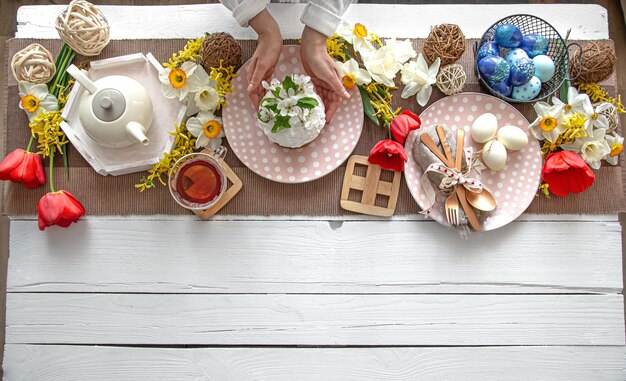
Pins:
x,y
280,123
273,108
276,93
367,106
288,83
267,101
307,102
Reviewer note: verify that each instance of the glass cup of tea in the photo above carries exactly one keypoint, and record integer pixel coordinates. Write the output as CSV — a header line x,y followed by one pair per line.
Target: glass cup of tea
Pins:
x,y
197,181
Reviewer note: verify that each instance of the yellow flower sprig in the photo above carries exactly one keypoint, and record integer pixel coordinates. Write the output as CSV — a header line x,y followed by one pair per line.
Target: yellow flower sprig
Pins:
x,y
223,77
598,94
337,48
575,124
381,99
544,189
184,143
190,52
46,128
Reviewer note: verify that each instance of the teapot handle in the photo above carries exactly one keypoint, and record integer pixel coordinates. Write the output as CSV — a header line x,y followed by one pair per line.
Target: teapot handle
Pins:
x,y
82,79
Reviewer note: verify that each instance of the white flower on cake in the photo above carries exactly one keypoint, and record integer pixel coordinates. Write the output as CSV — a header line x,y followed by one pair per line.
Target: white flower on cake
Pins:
x,y
34,98
548,123
418,79
592,148
352,74
358,36
616,143
291,114
179,82
207,128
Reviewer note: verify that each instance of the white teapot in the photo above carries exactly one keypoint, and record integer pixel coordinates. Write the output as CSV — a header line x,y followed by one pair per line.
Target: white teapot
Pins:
x,y
116,111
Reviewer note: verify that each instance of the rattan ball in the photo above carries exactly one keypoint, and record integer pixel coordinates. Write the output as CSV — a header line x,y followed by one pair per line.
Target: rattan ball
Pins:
x,y
33,64
220,46
445,41
84,28
612,115
595,64
451,79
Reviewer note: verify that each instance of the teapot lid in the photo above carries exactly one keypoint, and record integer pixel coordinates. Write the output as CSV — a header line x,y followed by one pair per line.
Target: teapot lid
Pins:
x,y
108,105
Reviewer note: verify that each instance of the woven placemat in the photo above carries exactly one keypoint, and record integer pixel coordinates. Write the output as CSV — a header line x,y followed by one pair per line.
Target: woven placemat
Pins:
x,y
117,195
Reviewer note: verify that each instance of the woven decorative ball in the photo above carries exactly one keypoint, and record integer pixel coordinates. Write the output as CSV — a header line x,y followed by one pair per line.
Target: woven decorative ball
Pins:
x,y
84,28
445,41
451,79
612,115
33,64
595,64
220,46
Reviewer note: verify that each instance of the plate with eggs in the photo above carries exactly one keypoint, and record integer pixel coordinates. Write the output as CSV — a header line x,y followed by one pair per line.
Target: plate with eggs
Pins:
x,y
501,140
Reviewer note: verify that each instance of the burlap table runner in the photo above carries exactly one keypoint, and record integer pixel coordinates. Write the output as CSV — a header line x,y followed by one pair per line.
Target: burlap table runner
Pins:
x,y
117,195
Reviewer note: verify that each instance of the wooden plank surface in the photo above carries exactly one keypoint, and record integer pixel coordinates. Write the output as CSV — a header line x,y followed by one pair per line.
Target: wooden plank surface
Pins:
x,y
121,255
588,21
259,319
54,362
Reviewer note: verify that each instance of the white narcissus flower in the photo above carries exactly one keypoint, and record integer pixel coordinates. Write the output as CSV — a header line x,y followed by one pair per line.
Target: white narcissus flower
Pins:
x,y
180,81
357,36
207,128
352,74
34,98
402,50
548,123
592,148
596,119
383,65
418,79
576,102
616,144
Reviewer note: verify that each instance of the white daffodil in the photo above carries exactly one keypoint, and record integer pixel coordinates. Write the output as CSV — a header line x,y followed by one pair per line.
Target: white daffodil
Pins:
x,y
357,36
418,78
616,144
34,98
352,74
597,119
383,65
180,81
402,50
576,102
592,148
207,128
548,123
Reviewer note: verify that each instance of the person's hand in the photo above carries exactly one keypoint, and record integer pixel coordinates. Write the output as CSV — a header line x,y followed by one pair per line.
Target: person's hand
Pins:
x,y
263,61
322,70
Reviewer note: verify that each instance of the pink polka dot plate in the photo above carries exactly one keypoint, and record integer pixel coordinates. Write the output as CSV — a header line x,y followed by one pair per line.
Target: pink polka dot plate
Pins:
x,y
271,161
514,187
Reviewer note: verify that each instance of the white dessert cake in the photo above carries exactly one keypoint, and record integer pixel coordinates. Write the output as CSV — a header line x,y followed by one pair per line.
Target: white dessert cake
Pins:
x,y
291,113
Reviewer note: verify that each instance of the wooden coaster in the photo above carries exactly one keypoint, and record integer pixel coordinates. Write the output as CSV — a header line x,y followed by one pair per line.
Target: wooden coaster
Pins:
x,y
233,189
371,186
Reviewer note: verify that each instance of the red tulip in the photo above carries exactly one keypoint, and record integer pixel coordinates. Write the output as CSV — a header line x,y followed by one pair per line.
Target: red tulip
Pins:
x,y
566,172
403,124
58,208
389,155
23,167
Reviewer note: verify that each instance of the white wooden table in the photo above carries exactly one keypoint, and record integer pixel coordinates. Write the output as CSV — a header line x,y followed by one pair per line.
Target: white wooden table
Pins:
x,y
172,298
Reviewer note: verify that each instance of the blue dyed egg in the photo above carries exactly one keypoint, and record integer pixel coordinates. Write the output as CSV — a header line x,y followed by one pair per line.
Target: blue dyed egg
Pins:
x,y
522,70
544,68
503,88
493,69
527,92
534,44
508,36
513,55
487,49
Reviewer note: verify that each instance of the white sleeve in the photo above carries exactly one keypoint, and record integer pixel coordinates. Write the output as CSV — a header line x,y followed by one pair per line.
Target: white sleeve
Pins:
x,y
244,10
324,15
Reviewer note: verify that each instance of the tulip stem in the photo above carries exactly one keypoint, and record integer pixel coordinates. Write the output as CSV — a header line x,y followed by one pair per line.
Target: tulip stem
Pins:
x,y
51,173
30,142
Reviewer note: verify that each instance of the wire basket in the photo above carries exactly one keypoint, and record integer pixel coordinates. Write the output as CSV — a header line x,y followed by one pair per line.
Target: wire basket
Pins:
x,y
557,51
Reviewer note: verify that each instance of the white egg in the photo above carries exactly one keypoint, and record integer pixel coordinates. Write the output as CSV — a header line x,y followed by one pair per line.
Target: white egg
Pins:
x,y
484,128
513,138
494,155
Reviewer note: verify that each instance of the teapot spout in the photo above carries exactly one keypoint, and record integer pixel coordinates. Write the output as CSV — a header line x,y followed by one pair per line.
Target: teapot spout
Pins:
x,y
137,132
82,79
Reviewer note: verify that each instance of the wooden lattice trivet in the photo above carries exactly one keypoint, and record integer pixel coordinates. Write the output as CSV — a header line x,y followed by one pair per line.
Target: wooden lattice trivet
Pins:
x,y
233,189
371,186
